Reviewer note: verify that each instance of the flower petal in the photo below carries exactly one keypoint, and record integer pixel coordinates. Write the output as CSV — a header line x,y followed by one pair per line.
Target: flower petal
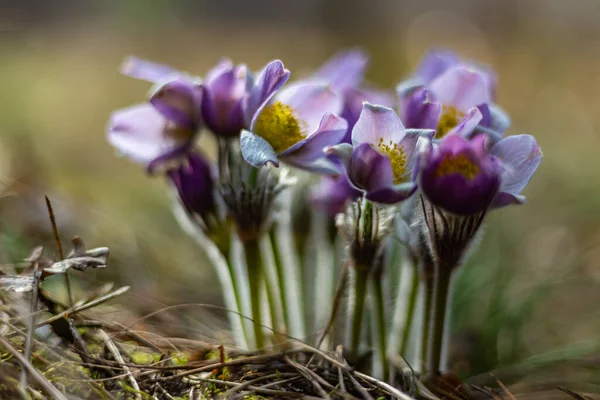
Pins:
x,y
461,87
368,170
504,199
310,101
418,111
256,150
409,144
375,123
180,102
499,119
353,104
392,194
434,63
270,79
466,126
345,70
330,132
139,133
149,71
195,184
520,156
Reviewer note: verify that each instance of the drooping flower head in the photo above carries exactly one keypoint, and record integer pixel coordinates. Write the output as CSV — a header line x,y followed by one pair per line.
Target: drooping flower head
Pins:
x,y
443,91
332,194
232,94
164,128
380,160
295,127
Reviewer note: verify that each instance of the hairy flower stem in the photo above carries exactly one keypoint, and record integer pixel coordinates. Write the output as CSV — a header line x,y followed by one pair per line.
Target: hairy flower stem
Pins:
x,y
254,264
380,324
357,306
272,283
410,312
426,320
440,306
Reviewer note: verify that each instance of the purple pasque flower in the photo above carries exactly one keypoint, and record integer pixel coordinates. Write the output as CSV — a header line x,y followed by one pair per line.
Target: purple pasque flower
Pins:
x,y
295,127
437,61
164,128
443,103
460,175
232,95
345,72
195,185
463,177
332,193
380,160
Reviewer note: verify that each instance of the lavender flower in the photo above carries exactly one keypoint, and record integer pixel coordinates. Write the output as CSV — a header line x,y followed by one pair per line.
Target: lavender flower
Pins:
x,y
232,95
380,160
164,128
444,89
295,128
463,177
344,72
333,193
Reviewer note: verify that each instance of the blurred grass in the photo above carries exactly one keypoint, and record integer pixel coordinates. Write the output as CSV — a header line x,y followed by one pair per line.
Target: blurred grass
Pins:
x,y
533,284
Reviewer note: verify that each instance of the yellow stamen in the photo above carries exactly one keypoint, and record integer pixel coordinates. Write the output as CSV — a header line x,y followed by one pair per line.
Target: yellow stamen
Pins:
x,y
457,164
448,120
397,158
278,126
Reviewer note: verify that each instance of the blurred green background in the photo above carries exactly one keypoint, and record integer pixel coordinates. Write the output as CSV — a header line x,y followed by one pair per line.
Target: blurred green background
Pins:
x,y
533,286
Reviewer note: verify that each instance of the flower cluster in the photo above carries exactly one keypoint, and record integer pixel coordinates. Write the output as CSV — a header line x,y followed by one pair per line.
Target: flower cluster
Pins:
x,y
431,153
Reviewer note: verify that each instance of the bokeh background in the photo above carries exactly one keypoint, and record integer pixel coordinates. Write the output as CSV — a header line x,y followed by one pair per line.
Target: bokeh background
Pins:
x,y
530,298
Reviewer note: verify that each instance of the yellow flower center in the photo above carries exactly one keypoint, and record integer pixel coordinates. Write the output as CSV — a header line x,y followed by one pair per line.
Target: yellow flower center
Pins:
x,y
397,158
457,164
278,126
448,120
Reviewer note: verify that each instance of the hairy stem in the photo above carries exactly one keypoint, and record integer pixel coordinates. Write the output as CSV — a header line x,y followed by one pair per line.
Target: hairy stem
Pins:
x,y
356,309
440,306
254,265
380,338
274,294
410,312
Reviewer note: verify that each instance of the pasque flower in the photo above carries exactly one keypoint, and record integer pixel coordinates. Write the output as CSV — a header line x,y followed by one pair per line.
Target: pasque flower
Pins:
x,y
232,94
165,127
463,177
444,89
345,72
380,160
295,127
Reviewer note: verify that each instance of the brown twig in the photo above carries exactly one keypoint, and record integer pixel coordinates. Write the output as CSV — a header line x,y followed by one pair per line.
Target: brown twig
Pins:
x,y
59,248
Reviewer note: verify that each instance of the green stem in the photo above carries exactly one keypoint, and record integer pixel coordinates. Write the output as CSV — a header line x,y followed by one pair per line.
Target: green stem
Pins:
x,y
440,306
254,265
278,259
410,312
427,304
357,306
275,298
380,324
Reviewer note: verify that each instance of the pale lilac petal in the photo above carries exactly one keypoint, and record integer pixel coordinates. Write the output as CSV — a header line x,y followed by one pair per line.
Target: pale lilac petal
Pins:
x,y
409,144
344,70
504,199
330,132
270,79
139,133
180,102
460,87
375,123
353,104
467,124
520,156
434,63
310,101
149,71
215,72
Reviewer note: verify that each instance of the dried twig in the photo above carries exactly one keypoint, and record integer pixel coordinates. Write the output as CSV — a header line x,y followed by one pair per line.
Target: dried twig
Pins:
x,y
41,380
112,347
31,329
59,246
